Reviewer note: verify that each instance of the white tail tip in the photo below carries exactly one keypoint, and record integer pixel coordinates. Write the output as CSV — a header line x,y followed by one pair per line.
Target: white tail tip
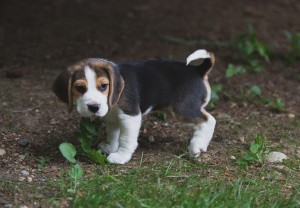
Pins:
x,y
202,53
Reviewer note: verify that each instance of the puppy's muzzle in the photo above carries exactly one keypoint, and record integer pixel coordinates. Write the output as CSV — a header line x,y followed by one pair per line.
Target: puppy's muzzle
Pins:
x,y
94,108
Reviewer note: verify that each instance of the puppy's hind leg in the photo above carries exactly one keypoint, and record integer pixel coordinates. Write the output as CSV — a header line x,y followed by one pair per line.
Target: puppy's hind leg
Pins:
x,y
202,136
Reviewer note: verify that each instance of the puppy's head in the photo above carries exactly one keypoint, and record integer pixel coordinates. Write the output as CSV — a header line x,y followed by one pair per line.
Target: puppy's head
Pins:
x,y
93,85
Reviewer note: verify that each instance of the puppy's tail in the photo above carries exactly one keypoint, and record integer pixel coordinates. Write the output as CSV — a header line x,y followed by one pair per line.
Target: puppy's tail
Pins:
x,y
208,63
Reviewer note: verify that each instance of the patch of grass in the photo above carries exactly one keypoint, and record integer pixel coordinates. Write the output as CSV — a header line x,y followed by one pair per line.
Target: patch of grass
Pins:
x,y
253,94
179,183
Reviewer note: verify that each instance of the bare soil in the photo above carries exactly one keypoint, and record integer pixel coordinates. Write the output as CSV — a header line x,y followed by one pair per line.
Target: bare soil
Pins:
x,y
40,38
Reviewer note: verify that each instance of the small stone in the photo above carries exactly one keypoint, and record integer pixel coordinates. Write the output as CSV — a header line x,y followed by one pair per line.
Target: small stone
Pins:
x,y
282,168
232,105
42,179
21,157
53,121
242,139
29,179
23,142
24,173
274,157
2,152
232,157
4,104
7,205
151,138
23,206
291,115
22,178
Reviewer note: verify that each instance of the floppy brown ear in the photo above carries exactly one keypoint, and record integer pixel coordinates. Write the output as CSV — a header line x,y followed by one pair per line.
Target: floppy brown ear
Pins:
x,y
116,85
62,87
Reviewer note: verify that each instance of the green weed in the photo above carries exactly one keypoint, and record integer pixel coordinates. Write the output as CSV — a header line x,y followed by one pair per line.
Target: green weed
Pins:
x,y
89,129
214,97
76,172
161,115
258,151
294,50
233,70
249,47
253,94
275,104
88,135
42,161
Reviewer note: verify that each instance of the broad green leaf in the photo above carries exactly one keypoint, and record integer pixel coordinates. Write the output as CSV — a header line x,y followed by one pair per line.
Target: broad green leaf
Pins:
x,y
242,162
68,151
255,65
255,90
215,89
254,148
262,50
97,157
278,104
234,70
76,172
88,126
85,142
249,47
249,158
162,116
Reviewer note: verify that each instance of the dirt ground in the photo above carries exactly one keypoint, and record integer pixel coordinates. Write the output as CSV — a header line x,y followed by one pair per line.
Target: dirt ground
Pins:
x,y
40,38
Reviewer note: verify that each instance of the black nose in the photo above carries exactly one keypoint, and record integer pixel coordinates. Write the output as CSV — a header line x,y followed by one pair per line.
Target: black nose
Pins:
x,y
94,108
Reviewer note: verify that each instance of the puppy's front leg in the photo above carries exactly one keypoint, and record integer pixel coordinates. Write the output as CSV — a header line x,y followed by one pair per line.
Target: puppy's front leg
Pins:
x,y
113,134
129,132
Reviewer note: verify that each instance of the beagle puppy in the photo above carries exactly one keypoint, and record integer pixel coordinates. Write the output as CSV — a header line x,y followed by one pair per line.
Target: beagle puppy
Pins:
x,y
121,93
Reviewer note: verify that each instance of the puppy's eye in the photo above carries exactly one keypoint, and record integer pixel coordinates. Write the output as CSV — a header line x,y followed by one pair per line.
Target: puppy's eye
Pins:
x,y
103,87
81,89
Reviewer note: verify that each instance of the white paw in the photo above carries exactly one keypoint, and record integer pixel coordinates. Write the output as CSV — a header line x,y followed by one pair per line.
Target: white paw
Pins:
x,y
196,148
119,158
107,148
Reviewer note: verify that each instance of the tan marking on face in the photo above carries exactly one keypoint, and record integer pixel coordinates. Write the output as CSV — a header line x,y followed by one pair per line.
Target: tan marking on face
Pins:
x,y
79,83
